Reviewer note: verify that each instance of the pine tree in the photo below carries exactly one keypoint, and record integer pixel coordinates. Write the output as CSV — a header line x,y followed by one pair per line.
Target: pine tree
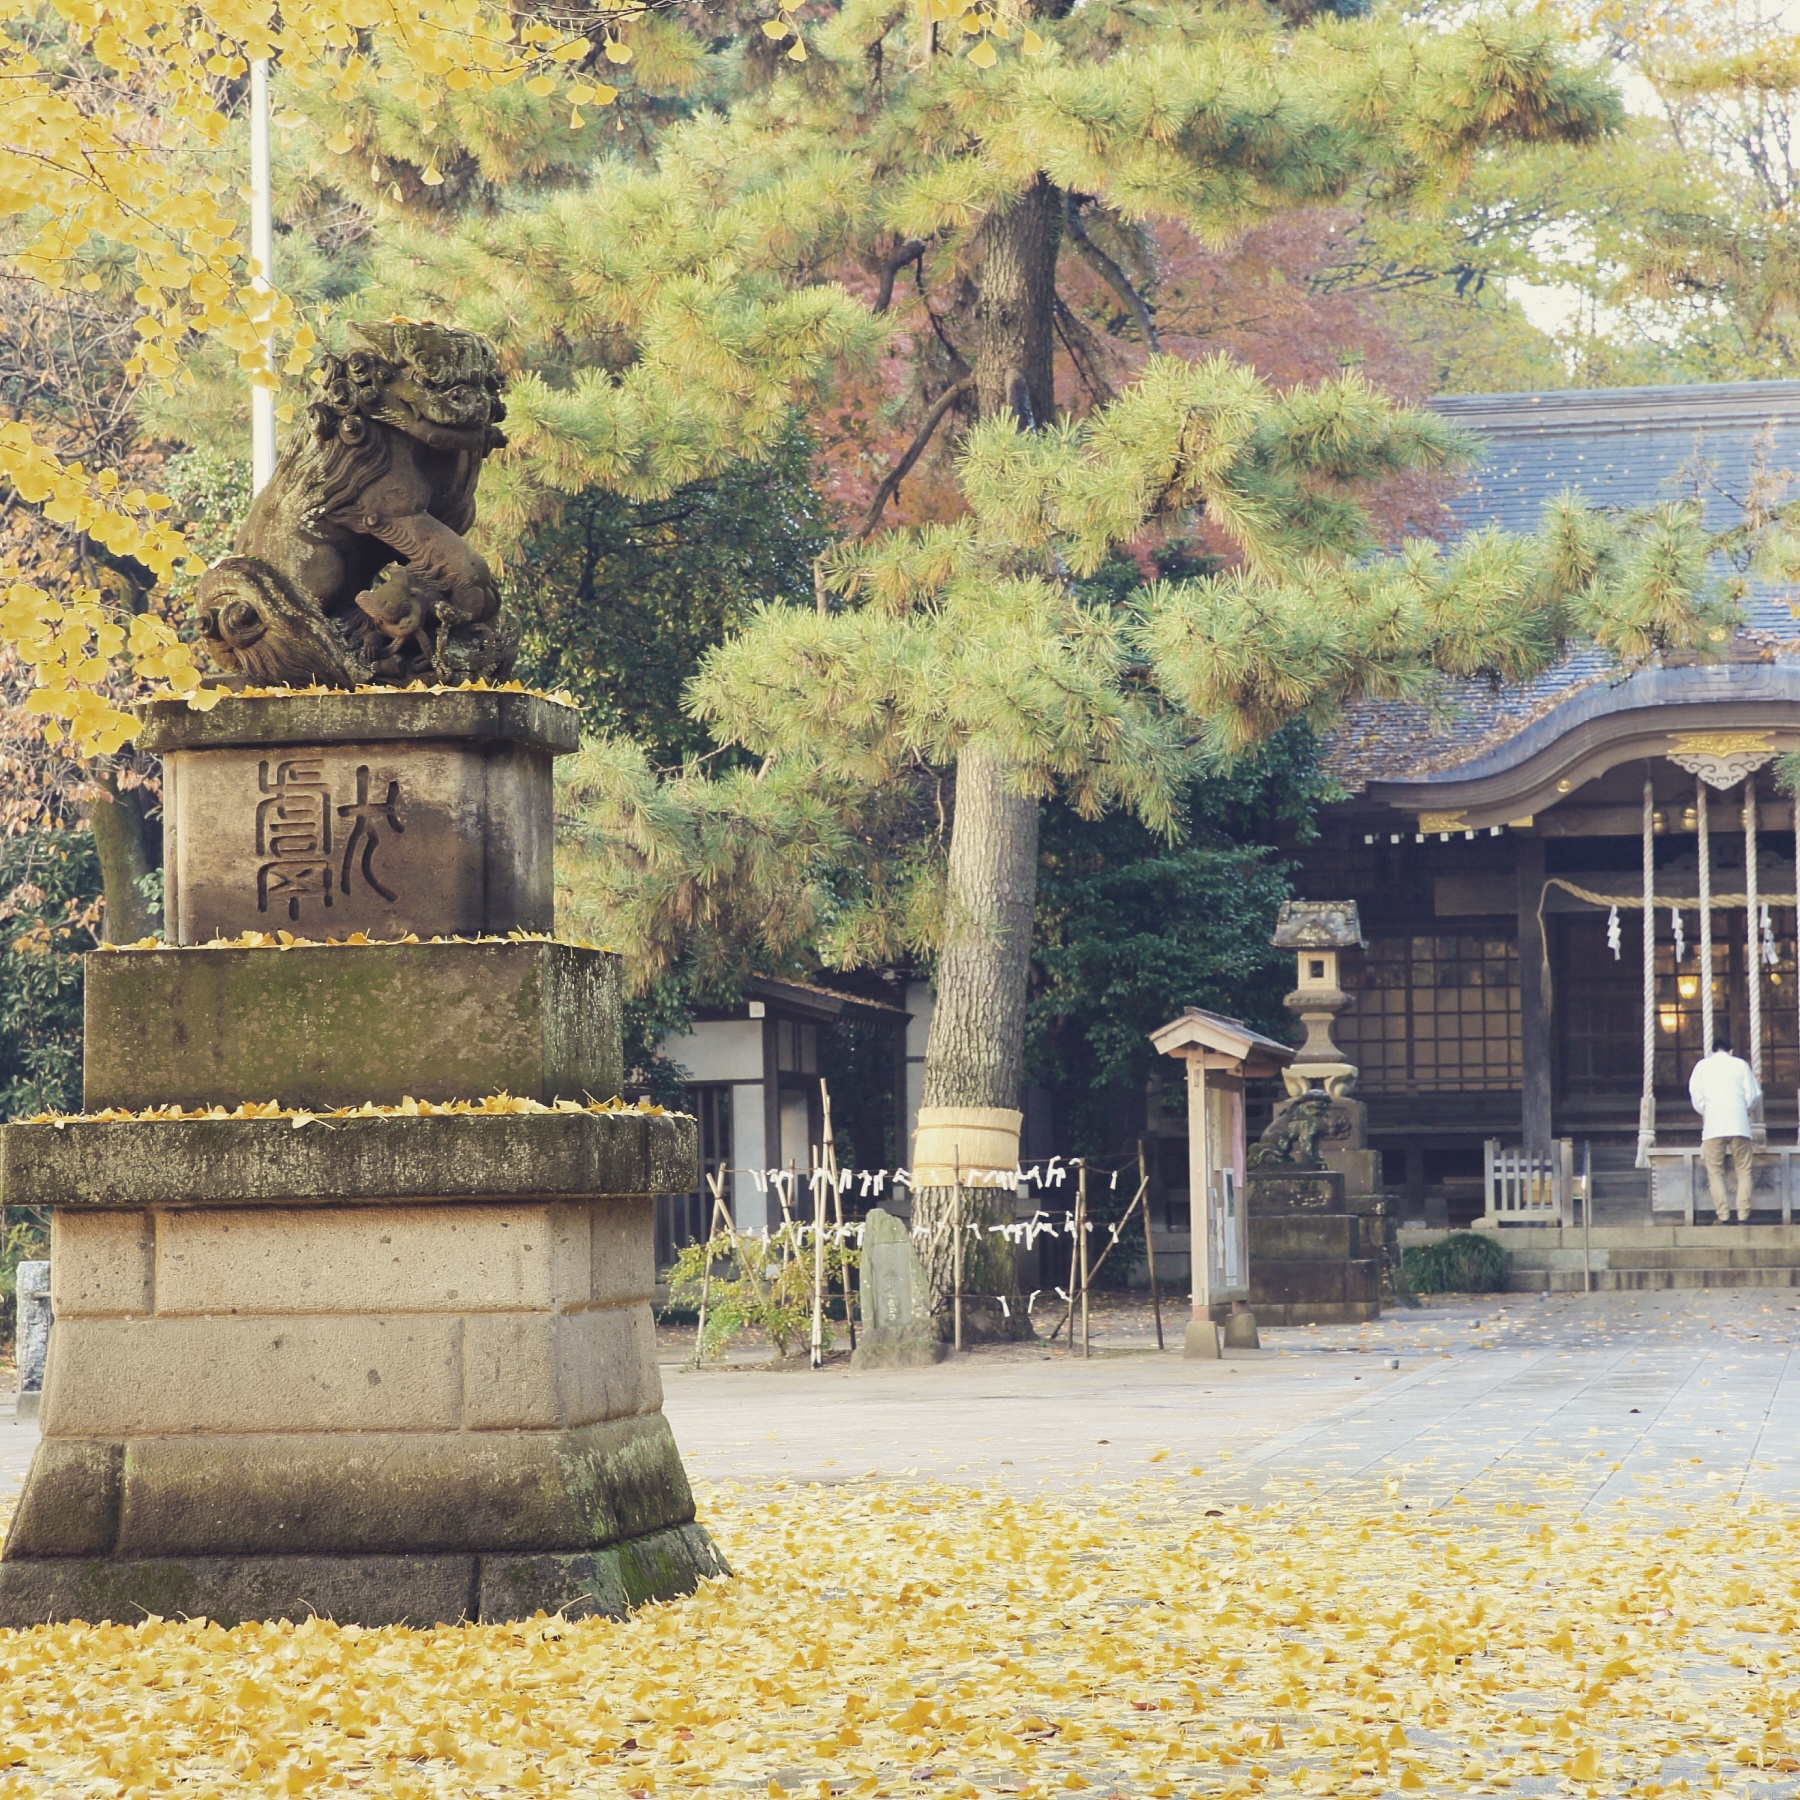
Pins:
x,y
958,655
964,656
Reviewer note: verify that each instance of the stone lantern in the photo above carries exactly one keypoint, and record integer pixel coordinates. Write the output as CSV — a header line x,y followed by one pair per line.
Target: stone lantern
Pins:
x,y
1316,931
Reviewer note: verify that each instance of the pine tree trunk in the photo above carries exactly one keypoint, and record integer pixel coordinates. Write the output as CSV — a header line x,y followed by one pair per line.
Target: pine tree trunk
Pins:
x,y
975,1052
1016,310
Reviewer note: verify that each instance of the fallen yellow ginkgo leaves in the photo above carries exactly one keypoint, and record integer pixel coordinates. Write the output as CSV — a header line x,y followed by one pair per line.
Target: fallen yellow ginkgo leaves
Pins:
x,y
885,1639
286,940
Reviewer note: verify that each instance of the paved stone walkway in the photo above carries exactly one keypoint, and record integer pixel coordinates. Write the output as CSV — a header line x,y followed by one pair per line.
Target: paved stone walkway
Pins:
x,y
1571,1400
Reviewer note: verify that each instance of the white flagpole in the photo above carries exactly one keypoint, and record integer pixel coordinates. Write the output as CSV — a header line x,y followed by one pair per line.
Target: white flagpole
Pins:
x,y
262,252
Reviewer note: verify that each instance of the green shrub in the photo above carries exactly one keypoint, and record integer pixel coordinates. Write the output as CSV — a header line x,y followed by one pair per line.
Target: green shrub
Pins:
x,y
1466,1262
758,1284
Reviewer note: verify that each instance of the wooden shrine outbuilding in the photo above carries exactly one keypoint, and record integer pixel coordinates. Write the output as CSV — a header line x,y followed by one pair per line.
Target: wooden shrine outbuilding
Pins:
x,y
1568,890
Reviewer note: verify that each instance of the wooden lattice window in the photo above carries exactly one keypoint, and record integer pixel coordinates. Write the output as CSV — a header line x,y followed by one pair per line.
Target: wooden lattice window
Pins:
x,y
1435,1014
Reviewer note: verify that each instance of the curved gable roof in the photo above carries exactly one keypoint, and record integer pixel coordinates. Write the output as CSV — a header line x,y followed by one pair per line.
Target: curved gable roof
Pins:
x,y
1622,448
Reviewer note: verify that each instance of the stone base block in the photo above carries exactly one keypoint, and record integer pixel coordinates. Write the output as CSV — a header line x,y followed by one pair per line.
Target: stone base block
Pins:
x,y
1319,1312
381,1161
321,1027
898,1350
1307,1291
28,1404
325,814
1277,1189
362,1493
1289,1237
1200,1342
1240,1332
359,1590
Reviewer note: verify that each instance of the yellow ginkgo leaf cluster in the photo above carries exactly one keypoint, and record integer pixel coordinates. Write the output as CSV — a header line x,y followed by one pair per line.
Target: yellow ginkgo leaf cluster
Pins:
x,y
1150,1639
91,163
87,163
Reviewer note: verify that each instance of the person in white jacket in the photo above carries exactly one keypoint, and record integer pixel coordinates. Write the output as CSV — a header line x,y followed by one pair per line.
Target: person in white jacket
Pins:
x,y
1725,1093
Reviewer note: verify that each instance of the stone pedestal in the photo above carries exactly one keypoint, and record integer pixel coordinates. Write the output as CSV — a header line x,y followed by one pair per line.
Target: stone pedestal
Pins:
x,y
385,1367
323,814
1307,1260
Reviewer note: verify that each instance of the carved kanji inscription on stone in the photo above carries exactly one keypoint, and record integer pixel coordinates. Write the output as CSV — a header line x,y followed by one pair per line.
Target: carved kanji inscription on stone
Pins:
x,y
370,816
436,838
293,835
297,857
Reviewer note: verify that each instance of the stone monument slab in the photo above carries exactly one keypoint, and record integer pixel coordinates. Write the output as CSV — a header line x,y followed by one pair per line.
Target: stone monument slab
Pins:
x,y
898,1330
32,1314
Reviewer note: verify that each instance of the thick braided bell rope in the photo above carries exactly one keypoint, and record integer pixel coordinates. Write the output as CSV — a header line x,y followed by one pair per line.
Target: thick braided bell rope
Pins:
x,y
1706,957
1647,1103
1753,975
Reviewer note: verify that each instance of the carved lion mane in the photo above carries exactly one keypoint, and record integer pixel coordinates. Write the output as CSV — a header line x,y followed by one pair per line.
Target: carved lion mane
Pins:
x,y
351,566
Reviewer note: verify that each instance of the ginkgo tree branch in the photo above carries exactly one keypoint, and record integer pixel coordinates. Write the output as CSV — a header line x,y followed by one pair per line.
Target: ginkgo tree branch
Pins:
x,y
890,483
1111,274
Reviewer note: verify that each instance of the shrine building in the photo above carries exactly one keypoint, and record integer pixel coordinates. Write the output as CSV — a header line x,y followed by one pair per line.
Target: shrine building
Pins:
x,y
1501,845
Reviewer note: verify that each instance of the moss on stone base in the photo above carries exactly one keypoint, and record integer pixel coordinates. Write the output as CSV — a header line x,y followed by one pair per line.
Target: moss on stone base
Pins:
x,y
325,1026
366,1493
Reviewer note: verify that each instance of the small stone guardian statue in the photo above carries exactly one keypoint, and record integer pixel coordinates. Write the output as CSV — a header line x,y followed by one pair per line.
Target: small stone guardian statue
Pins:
x,y
351,567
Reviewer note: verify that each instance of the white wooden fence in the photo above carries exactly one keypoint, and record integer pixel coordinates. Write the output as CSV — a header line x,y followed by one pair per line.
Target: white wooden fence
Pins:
x,y
1529,1190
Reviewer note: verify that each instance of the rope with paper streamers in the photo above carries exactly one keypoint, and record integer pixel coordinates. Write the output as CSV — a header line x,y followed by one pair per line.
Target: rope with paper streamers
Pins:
x,y
797,1238
1677,905
869,1183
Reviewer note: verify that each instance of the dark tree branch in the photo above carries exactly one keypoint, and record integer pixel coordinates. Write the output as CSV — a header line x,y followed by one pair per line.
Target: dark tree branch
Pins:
x,y
908,252
959,364
1084,353
1111,274
890,484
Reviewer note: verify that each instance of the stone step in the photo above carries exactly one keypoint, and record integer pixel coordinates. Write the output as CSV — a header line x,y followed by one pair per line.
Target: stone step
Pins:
x,y
1698,1256
1569,1281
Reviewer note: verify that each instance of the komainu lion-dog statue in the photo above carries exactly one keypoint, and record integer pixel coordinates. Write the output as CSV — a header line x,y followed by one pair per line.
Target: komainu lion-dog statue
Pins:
x,y
351,566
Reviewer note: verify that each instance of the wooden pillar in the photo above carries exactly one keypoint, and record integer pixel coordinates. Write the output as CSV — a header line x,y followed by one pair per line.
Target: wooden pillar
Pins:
x,y
1534,1002
1201,1339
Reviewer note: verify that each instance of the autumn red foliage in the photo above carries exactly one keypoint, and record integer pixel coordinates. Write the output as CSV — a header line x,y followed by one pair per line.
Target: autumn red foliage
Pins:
x,y
1294,300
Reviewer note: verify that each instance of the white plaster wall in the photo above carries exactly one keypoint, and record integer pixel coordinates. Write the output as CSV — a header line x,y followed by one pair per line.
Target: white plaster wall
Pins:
x,y
719,1050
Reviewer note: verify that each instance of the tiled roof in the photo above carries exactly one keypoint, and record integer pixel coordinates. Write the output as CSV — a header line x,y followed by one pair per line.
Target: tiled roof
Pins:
x,y
1621,448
